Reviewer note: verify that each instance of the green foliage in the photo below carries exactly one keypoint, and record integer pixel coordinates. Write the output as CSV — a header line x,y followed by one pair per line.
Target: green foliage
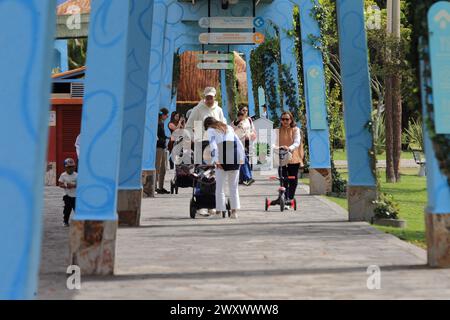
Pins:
x,y
176,72
339,184
77,50
386,207
262,60
232,90
379,131
414,135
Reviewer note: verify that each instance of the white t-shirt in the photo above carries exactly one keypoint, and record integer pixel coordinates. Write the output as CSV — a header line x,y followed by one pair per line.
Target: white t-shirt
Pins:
x,y
69,178
218,138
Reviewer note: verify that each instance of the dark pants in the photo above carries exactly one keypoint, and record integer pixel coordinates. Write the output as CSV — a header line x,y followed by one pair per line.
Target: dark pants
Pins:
x,y
291,185
69,205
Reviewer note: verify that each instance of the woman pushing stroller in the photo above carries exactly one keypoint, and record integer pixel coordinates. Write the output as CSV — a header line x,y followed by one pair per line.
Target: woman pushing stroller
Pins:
x,y
227,154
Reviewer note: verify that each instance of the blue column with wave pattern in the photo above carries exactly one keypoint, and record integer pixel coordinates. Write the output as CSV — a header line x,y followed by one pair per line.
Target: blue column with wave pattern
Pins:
x,y
102,118
437,187
141,18
319,141
356,90
26,55
154,84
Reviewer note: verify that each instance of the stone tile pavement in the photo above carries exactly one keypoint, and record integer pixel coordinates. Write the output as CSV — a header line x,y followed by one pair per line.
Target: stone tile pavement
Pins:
x,y
313,253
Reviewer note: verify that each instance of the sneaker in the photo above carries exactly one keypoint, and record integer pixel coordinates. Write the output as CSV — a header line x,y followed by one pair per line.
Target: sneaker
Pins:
x,y
233,214
216,216
162,191
249,182
203,212
66,224
212,212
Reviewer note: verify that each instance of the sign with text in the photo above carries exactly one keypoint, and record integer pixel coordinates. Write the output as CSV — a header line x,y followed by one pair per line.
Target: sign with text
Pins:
x,y
231,38
231,22
439,30
316,98
215,56
215,65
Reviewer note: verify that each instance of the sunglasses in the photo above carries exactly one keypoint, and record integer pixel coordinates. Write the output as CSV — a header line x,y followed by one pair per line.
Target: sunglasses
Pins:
x,y
285,119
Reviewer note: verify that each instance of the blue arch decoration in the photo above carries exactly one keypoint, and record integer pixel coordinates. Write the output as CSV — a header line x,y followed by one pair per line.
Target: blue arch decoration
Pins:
x,y
25,82
109,85
182,31
138,63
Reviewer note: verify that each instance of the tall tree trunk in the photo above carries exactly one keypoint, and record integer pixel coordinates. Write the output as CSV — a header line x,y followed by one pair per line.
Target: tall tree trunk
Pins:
x,y
390,173
397,124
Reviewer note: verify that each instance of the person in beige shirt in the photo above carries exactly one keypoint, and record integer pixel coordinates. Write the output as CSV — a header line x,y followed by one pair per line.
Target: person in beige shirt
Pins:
x,y
288,137
208,107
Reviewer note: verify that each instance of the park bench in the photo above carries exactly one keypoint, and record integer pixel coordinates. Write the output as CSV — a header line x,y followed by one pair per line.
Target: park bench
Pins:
x,y
419,158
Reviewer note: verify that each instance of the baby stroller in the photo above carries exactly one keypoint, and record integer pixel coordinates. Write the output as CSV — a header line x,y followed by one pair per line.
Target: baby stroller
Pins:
x,y
183,160
204,190
283,157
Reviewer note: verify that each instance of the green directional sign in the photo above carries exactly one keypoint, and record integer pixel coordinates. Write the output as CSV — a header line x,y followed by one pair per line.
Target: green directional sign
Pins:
x,y
316,98
215,65
215,56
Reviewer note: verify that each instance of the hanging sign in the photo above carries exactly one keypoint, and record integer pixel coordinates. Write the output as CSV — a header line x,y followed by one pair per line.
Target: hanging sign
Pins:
x,y
215,65
231,38
231,22
316,98
439,30
215,56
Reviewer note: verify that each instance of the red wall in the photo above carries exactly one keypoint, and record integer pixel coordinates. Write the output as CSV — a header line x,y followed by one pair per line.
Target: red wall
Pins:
x,y
61,143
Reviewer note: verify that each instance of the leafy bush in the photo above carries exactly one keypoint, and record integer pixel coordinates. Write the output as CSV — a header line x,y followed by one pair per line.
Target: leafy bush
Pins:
x,y
379,132
386,207
414,134
339,185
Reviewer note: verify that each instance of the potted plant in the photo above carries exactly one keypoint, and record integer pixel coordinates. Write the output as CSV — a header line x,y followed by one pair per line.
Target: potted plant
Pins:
x,y
387,212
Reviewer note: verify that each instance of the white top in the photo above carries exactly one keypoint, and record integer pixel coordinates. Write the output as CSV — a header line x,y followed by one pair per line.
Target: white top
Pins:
x,y
245,129
297,139
69,178
202,111
216,137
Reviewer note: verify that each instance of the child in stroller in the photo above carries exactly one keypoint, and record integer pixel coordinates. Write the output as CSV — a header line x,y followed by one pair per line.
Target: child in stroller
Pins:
x,y
204,190
183,158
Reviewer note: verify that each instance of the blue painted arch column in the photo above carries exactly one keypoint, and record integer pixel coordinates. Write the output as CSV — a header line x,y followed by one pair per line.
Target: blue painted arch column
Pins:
x,y
25,92
361,190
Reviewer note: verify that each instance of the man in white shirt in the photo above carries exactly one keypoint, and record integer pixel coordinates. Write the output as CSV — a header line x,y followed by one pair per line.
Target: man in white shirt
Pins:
x,y
208,107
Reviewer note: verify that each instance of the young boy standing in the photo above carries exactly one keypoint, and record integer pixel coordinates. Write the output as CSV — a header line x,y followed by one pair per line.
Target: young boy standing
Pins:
x,y
68,181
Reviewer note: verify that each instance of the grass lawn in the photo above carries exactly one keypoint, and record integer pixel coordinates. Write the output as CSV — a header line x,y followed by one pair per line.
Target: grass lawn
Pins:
x,y
411,195
340,154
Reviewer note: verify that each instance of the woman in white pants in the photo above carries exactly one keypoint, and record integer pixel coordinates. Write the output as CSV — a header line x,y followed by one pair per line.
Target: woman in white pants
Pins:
x,y
227,153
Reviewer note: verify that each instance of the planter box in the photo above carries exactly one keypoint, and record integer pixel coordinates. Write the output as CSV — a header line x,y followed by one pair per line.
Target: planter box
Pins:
x,y
390,223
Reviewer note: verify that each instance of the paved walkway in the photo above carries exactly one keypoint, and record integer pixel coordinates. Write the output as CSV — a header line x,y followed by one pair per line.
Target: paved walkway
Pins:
x,y
309,254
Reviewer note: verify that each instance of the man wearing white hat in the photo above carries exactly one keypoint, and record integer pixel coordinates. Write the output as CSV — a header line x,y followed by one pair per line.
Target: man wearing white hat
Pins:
x,y
208,107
